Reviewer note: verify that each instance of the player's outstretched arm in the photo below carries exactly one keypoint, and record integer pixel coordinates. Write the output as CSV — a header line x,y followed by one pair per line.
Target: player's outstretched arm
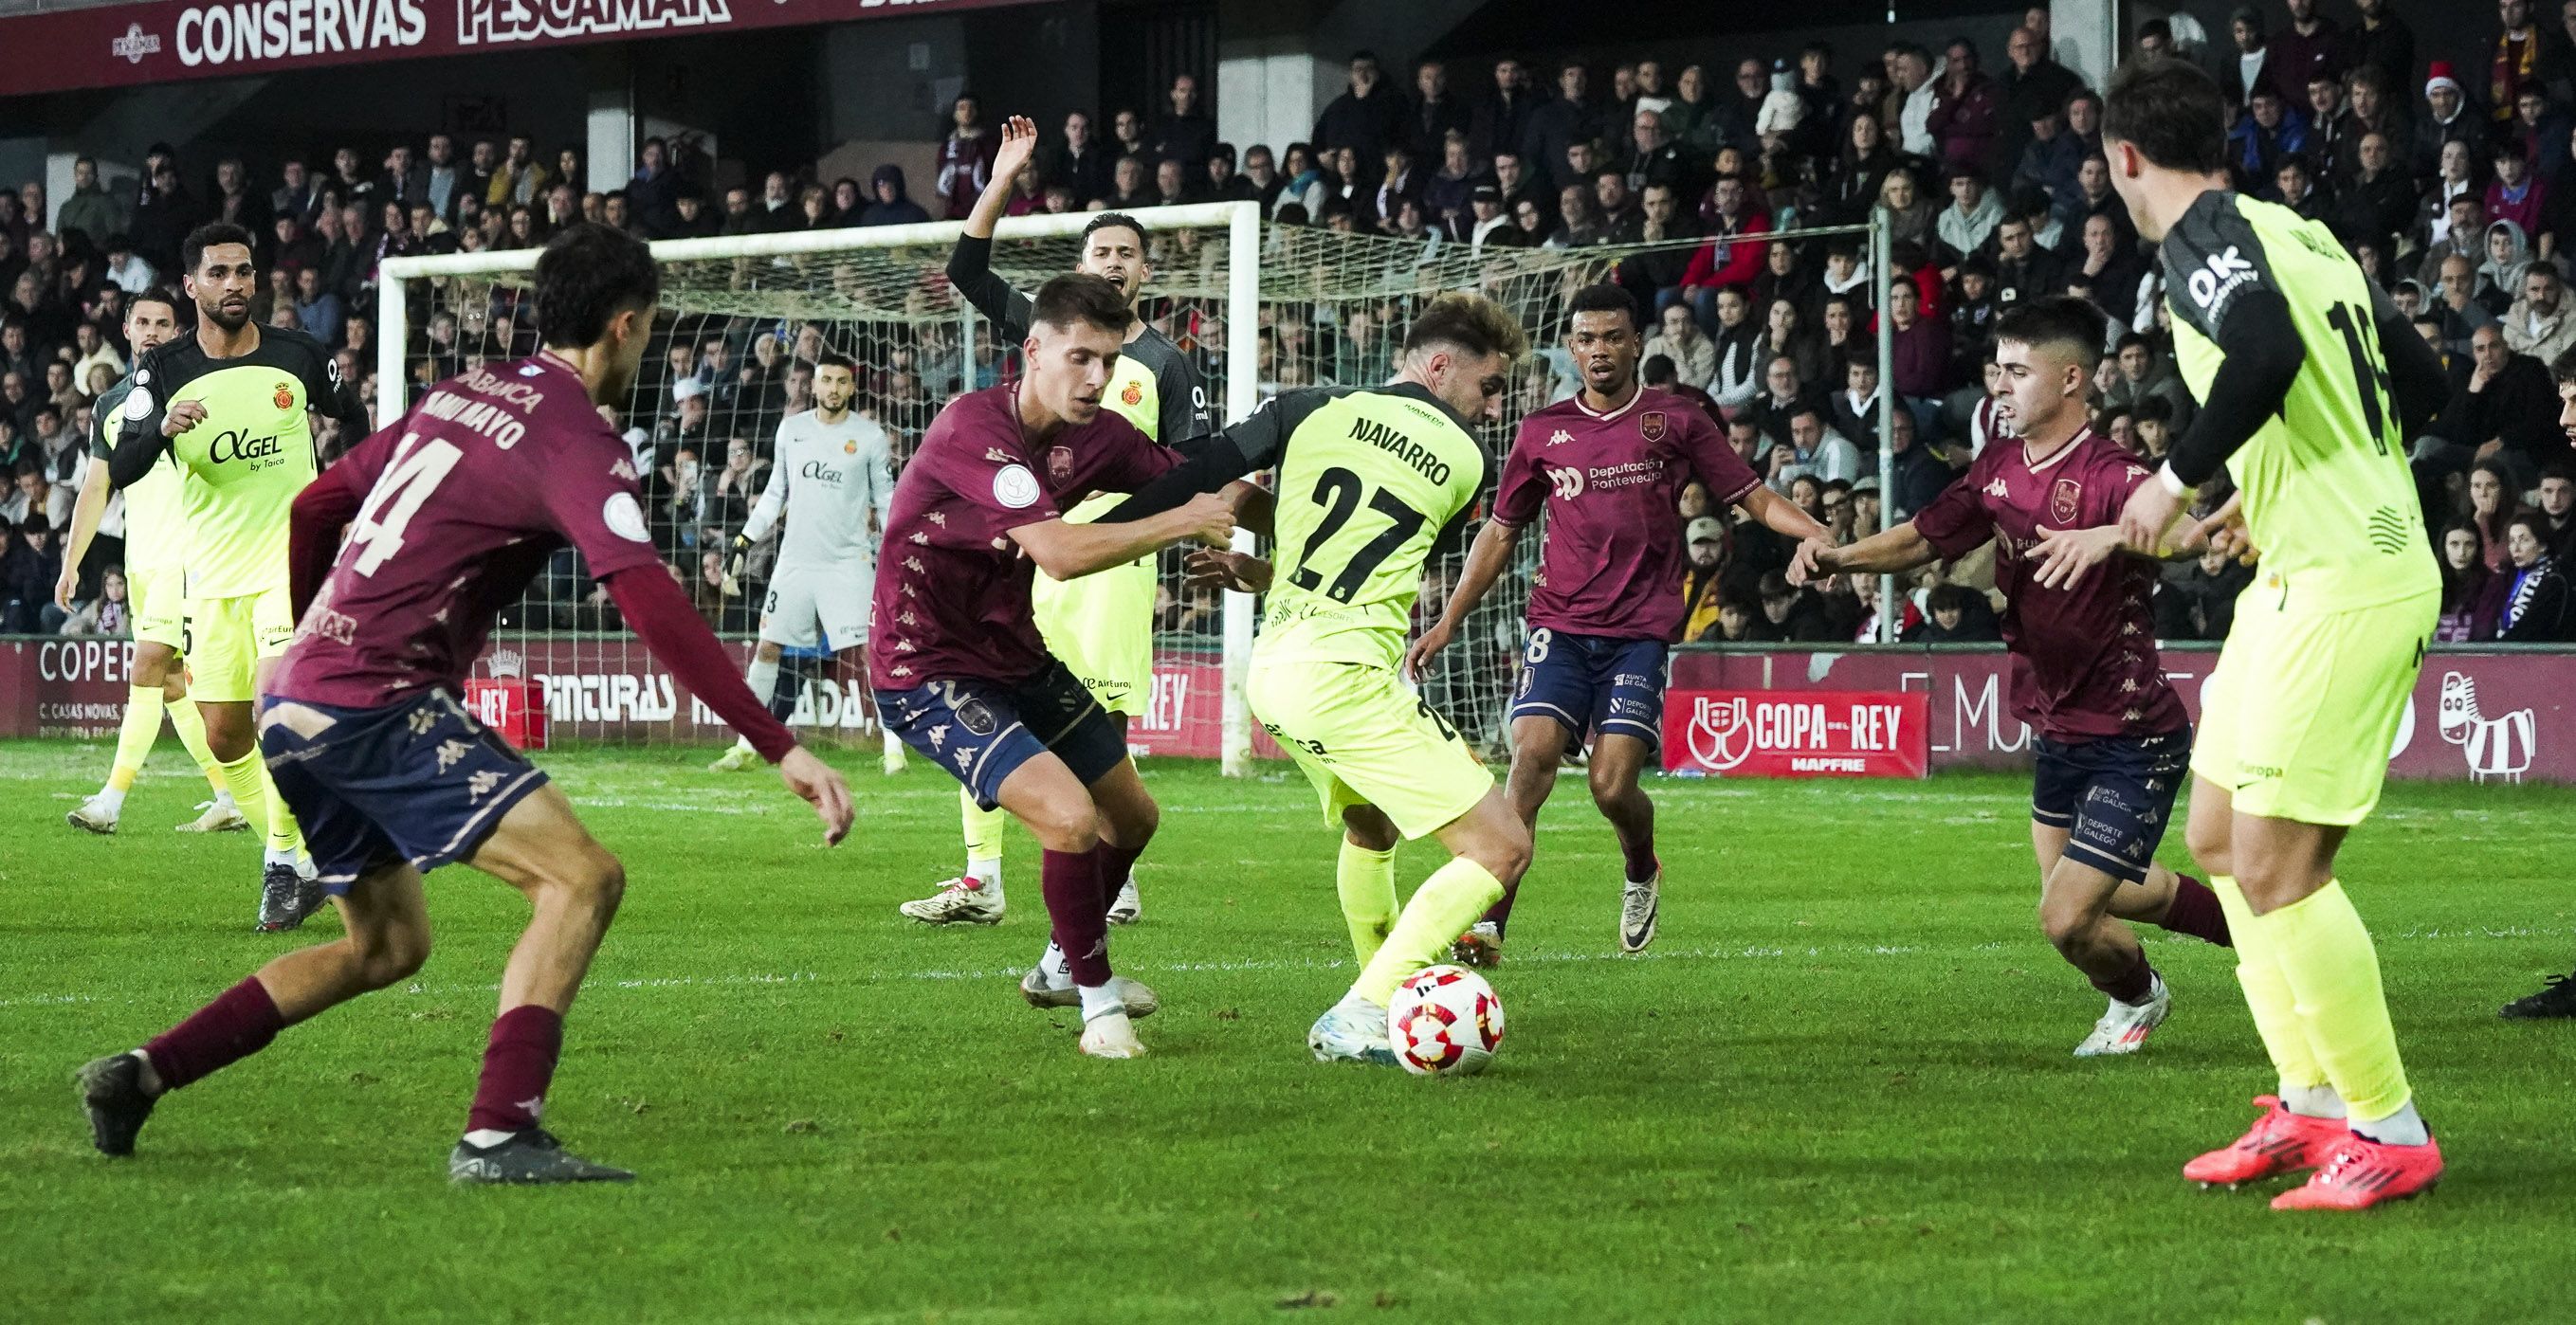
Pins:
x,y
2264,353
1254,442
970,264
1065,550
87,510
1889,551
1486,558
313,528
1781,515
660,613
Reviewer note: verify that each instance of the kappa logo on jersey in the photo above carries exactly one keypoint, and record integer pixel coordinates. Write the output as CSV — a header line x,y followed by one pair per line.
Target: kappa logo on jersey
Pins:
x,y
1650,425
1559,438
624,470
1133,395
2219,277
1998,489
285,396
2065,499
1568,483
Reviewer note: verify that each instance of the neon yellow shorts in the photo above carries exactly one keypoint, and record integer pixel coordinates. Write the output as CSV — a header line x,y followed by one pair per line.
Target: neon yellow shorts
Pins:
x,y
1101,627
2299,717
1363,739
159,600
227,638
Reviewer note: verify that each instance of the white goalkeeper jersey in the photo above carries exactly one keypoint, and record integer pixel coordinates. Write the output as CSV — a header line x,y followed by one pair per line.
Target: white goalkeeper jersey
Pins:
x,y
824,479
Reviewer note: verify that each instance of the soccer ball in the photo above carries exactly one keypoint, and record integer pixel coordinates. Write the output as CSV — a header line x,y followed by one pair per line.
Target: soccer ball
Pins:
x,y
1445,1021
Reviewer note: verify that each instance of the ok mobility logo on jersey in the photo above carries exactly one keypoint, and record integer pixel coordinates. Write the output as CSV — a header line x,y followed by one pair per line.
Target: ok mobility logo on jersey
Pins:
x,y
2221,275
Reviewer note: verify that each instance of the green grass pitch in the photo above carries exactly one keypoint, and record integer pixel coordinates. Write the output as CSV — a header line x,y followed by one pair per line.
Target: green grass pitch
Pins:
x,y
1837,1088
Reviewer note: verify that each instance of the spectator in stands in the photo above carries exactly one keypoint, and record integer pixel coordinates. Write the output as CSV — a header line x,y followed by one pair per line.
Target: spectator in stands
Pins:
x,y
2459,309
2197,600
2471,593
1184,134
1826,453
893,206
1966,117
1500,122
1559,124
2382,42
1922,345
2490,509
1796,613
1433,112
2508,412
2558,508
1079,161
1857,405
2448,119
1969,220
2538,323
29,569
2515,195
1367,118
88,210
2536,604
966,156
2138,372
2032,94
108,614
2519,51
1679,338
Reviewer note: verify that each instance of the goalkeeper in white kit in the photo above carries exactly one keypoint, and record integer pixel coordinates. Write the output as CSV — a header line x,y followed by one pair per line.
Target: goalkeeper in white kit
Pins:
x,y
833,479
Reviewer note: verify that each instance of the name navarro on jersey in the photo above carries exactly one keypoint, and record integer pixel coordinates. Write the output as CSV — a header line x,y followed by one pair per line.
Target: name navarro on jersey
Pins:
x,y
1402,448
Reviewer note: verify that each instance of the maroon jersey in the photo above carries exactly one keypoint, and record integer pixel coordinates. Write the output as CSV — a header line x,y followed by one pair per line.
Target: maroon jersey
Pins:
x,y
952,596
465,500
1610,482
2084,659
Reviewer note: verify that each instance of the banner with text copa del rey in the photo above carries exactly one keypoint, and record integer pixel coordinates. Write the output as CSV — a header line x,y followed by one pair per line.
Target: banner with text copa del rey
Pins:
x,y
127,45
2478,717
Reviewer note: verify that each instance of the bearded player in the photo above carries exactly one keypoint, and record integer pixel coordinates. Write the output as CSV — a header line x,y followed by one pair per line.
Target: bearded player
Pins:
x,y
1608,467
2310,383
448,516
832,479
960,669
1100,625
229,404
156,567
2111,736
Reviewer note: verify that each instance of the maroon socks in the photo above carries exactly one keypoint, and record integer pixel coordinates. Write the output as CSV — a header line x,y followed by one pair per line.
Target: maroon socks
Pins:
x,y
1077,904
2195,911
1115,865
518,1065
2131,986
240,1022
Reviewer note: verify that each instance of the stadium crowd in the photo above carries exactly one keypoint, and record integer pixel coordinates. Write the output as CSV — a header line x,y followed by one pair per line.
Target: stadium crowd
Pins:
x,y
2452,180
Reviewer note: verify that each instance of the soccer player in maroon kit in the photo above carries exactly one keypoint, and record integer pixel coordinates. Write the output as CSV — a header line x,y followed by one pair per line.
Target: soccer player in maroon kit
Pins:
x,y
2111,736
1608,466
449,515
959,669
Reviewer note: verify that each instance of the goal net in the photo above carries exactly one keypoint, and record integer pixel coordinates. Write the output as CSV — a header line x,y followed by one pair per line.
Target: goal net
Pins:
x,y
1258,309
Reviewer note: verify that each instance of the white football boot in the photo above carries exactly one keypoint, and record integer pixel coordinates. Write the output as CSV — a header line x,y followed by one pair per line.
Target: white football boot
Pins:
x,y
95,815
1353,1031
1127,908
1048,985
1640,905
964,900
219,815
1111,1035
2124,1027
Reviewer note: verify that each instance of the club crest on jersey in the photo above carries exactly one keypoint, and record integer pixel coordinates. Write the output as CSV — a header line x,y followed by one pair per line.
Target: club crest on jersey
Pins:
x,y
1060,459
285,395
2065,499
1133,396
975,718
850,447
1650,425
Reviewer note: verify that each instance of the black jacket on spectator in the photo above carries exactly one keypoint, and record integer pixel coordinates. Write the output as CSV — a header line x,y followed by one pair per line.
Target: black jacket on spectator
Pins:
x,y
1189,139
1366,125
1552,128
2026,97
2520,407
2380,209
1500,123
2389,46
2469,126
1427,124
1088,174
2537,609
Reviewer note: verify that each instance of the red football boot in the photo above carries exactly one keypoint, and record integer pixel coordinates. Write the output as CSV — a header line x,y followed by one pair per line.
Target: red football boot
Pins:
x,y
2361,1173
2279,1142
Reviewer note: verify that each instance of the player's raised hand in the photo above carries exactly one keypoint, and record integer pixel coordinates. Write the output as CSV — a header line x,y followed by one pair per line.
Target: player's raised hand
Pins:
x,y
1417,659
822,788
1812,561
182,416
1241,572
2150,512
1211,519
2066,555
1019,143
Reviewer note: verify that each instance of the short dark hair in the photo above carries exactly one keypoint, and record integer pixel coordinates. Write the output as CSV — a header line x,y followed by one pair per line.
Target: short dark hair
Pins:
x,y
2056,319
586,276
213,234
157,294
1468,322
1603,298
2563,367
1075,297
2171,111
1658,369
2129,338
836,359
2151,409
1113,221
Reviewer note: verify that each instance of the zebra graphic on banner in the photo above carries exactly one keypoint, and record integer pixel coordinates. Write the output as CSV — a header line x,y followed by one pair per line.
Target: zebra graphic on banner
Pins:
x,y
2498,749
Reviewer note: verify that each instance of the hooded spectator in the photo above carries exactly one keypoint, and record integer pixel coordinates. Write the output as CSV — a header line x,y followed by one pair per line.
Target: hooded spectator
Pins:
x,y
893,206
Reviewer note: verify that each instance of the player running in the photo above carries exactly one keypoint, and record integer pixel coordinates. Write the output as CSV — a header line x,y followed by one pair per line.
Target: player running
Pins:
x,y
156,561
833,478
2110,734
1370,480
449,515
1102,625
960,670
229,404
1608,466
2310,382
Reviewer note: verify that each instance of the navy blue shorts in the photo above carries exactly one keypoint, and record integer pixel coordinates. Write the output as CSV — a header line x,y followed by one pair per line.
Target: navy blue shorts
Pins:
x,y
1595,685
419,780
982,731
2114,796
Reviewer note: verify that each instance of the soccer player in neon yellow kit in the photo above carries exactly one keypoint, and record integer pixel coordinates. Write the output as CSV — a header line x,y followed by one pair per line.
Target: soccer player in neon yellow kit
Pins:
x,y
2309,381
229,404
1101,626
156,561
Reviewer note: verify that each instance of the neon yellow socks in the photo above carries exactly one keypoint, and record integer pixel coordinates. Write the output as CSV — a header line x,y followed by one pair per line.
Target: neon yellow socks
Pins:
x,y
2324,954
983,832
134,736
1442,908
2267,994
1366,880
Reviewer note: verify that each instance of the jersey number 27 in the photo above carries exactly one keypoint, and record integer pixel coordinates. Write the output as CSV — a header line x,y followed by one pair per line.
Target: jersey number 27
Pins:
x,y
1338,490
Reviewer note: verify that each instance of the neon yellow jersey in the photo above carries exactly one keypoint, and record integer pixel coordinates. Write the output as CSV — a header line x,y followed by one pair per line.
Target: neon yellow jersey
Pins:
x,y
155,520
250,456
1369,481
2328,496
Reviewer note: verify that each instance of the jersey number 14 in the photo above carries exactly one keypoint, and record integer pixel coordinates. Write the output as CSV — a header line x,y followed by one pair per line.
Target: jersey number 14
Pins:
x,y
396,498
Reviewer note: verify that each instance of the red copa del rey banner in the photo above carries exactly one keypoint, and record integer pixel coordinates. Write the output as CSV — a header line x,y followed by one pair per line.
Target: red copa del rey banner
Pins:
x,y
1796,734
127,45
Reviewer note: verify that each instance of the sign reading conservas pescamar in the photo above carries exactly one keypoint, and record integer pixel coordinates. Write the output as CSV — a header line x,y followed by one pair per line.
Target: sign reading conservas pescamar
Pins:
x,y
132,44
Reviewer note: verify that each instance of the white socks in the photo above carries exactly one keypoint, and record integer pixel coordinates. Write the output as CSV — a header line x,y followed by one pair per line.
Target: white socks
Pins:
x,y
988,869
1101,1000
2402,1128
1052,965
279,856
111,799
484,1138
2312,1101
